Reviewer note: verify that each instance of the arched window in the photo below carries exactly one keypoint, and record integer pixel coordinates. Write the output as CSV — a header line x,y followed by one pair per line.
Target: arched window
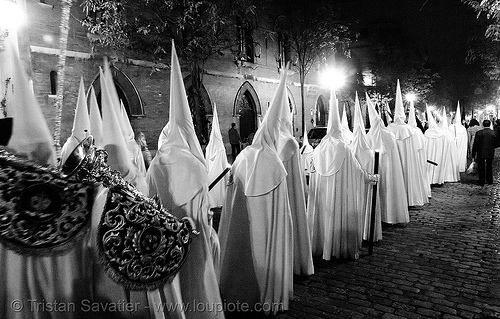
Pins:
x,y
320,111
127,92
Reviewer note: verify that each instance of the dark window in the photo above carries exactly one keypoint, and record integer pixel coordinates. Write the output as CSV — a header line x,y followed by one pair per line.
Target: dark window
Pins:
x,y
53,82
245,41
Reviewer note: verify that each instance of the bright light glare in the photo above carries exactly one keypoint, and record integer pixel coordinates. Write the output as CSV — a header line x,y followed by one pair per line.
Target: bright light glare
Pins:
x,y
332,78
490,108
410,97
11,15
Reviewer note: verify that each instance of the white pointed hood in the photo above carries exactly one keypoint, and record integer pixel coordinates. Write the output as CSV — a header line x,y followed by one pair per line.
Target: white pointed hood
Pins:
x,y
179,130
95,120
260,163
430,118
180,158
331,152
444,122
412,120
375,135
399,116
113,141
360,146
81,125
215,144
30,133
334,125
458,116
287,145
346,132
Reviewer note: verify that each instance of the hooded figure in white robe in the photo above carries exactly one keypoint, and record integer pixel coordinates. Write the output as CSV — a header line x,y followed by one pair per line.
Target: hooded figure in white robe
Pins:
x,y
334,209
461,139
288,150
306,152
81,124
439,151
420,142
393,198
216,159
408,146
255,231
451,168
138,168
366,158
179,176
62,278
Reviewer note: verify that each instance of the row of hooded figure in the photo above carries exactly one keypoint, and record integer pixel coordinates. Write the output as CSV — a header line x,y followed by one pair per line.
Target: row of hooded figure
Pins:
x,y
267,233
272,223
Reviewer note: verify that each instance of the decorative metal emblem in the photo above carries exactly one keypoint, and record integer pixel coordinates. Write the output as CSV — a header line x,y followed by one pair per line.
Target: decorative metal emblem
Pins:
x,y
141,245
41,213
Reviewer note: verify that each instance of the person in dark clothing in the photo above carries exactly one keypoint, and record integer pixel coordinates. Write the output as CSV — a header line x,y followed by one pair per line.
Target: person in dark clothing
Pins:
x,y
234,140
483,150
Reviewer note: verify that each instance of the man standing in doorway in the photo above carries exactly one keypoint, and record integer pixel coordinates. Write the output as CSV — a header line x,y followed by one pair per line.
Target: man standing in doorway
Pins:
x,y
483,150
234,140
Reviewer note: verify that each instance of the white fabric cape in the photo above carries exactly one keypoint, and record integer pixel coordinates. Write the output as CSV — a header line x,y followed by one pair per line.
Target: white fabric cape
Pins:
x,y
408,150
256,241
366,158
441,149
393,198
333,210
289,154
255,230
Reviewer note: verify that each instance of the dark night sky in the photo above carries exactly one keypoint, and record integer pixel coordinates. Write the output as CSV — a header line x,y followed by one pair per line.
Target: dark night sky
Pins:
x,y
441,28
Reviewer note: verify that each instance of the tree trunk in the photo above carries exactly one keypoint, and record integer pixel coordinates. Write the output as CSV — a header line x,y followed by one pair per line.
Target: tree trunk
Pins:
x,y
196,105
61,64
302,98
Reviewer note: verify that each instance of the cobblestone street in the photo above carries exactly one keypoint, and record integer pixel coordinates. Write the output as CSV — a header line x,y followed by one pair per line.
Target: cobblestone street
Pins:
x,y
444,264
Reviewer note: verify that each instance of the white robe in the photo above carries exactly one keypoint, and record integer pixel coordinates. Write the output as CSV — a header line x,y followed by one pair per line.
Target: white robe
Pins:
x,y
420,141
441,150
175,179
289,154
461,140
366,158
414,177
393,198
256,233
333,209
31,284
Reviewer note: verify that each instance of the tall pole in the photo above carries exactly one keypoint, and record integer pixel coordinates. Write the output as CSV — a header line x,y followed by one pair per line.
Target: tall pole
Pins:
x,y
61,64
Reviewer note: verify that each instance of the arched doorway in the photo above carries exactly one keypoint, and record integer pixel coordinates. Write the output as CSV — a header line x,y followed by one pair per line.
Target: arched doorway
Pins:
x,y
320,111
247,108
127,92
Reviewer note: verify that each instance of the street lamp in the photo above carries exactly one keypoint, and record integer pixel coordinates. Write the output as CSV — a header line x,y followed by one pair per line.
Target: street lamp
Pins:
x,y
410,97
11,18
332,78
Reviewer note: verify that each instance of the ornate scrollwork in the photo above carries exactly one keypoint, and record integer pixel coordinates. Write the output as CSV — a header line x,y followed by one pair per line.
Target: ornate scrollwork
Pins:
x,y
41,213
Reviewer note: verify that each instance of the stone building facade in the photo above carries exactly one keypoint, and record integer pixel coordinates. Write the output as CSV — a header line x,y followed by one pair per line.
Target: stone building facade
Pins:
x,y
241,90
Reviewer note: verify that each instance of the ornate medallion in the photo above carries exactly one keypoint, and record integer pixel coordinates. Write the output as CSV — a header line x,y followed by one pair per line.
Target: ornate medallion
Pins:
x,y
143,245
40,212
